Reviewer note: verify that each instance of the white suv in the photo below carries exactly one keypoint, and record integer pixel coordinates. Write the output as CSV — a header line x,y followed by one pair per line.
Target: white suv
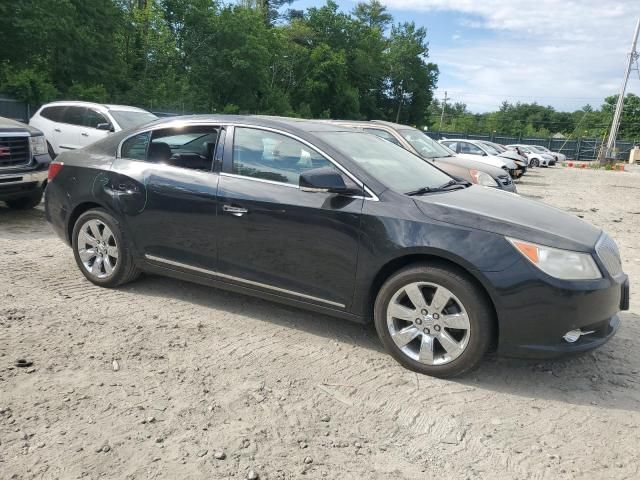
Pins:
x,y
71,125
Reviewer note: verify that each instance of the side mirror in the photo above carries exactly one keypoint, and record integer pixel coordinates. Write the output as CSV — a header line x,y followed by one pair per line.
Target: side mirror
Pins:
x,y
105,126
322,180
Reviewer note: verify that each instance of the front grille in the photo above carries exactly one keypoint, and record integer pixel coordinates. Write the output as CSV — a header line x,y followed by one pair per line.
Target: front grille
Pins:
x,y
14,151
609,255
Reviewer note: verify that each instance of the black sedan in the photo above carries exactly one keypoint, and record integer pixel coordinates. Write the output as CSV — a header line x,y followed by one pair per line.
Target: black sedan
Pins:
x,y
344,223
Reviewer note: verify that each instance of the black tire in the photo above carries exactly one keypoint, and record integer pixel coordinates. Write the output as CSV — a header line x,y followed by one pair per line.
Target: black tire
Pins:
x,y
535,162
26,203
125,269
482,331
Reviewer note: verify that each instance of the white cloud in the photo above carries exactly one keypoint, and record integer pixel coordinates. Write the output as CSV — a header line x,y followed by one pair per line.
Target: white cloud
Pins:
x,y
562,53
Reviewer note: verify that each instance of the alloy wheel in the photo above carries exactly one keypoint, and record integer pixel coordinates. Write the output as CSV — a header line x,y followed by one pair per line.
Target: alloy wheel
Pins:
x,y
428,323
97,248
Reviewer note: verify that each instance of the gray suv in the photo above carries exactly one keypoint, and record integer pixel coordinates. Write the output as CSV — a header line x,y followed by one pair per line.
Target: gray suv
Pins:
x,y
24,162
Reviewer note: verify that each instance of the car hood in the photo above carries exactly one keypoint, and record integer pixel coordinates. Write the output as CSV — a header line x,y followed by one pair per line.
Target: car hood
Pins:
x,y
512,156
470,164
511,215
9,125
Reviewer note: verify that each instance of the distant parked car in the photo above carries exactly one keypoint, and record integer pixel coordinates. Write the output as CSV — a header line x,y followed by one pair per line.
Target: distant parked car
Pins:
x,y
560,157
418,143
24,161
480,152
512,154
71,125
536,158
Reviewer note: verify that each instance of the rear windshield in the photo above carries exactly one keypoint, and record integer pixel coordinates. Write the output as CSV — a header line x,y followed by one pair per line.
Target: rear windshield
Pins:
x,y
391,165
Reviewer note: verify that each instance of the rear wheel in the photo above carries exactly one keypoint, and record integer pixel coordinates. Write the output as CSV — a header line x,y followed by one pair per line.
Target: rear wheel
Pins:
x,y
26,203
102,251
434,320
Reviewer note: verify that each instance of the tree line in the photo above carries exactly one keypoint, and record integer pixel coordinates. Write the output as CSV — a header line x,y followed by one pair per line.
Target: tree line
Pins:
x,y
534,120
254,56
209,56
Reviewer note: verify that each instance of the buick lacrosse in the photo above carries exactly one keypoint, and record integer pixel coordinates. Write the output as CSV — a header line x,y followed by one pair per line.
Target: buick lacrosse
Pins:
x,y
344,223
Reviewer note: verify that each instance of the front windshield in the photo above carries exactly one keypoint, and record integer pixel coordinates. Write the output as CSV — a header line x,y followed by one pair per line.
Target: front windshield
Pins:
x,y
391,165
535,148
500,148
424,145
132,118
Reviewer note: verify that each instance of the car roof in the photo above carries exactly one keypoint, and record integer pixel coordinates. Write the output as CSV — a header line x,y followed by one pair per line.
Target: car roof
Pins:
x,y
99,106
295,125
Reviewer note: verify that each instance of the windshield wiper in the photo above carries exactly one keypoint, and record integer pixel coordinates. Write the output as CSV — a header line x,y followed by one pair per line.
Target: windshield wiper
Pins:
x,y
450,185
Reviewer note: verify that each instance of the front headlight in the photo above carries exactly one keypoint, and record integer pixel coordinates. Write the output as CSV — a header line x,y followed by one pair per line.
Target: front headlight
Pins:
x,y
38,145
482,178
563,264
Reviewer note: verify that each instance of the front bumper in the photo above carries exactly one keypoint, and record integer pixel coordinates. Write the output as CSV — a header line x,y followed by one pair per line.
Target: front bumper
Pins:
x,y
20,184
535,311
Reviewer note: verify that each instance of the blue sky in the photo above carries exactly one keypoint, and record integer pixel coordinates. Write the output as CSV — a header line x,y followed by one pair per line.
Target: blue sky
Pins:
x,y
556,52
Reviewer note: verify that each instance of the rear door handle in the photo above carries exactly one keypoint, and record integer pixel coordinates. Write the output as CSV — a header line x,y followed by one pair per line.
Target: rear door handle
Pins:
x,y
56,130
84,134
235,211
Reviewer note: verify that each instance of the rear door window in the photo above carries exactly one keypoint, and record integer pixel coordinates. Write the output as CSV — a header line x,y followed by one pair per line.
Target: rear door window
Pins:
x,y
192,147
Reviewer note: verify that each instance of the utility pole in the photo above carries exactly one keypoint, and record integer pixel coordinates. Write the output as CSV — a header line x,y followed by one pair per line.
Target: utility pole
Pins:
x,y
615,125
444,104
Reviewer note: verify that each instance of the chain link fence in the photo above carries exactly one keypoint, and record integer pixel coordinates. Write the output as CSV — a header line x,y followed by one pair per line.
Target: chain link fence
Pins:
x,y
579,149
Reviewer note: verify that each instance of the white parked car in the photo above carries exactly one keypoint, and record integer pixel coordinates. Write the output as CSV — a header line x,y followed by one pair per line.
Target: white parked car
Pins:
x,y
71,125
476,151
536,158
560,157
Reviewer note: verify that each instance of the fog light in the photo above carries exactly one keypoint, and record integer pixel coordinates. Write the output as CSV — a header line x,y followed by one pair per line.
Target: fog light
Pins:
x,y
573,335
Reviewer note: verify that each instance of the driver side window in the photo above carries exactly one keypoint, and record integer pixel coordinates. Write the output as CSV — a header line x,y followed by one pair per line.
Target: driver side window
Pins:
x,y
272,156
470,148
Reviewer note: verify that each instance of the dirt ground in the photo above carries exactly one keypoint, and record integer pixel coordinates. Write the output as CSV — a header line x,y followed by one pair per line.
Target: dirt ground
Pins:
x,y
218,385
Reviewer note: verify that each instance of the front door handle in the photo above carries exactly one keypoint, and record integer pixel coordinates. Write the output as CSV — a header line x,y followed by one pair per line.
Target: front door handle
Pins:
x,y
84,134
235,211
56,130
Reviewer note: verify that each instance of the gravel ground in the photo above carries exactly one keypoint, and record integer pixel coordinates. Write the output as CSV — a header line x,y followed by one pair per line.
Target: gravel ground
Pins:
x,y
218,385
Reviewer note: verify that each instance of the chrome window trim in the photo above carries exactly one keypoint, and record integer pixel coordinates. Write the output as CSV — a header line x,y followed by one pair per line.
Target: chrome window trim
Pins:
x,y
256,179
181,123
213,273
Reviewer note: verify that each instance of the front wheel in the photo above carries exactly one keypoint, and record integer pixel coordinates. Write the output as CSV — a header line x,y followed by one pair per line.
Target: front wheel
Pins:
x,y
101,249
434,320
535,162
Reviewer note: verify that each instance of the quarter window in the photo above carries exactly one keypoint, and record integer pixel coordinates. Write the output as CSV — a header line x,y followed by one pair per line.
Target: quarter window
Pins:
x,y
272,156
136,147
